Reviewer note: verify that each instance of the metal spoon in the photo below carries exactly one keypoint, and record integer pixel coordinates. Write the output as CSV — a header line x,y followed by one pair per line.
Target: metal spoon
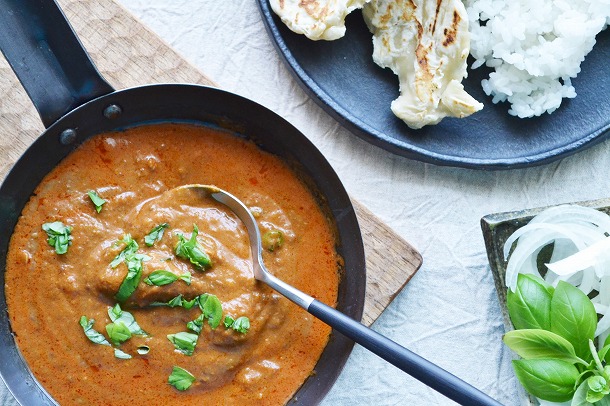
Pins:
x,y
414,365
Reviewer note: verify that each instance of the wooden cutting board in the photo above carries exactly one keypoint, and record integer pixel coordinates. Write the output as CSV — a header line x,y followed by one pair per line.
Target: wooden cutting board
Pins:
x,y
128,54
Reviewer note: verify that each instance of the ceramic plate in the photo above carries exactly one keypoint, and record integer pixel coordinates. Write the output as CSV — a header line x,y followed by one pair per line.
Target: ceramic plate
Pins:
x,y
342,78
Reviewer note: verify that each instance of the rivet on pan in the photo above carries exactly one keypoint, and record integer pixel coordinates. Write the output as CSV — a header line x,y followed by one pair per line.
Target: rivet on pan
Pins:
x,y
113,111
67,136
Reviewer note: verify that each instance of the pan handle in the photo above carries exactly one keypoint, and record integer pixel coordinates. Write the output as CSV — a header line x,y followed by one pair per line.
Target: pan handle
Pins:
x,y
48,58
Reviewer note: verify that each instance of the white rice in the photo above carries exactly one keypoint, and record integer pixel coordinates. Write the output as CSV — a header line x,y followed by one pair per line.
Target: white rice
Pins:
x,y
534,47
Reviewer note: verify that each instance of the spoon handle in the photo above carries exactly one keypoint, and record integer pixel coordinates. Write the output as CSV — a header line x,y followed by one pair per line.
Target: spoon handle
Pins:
x,y
411,363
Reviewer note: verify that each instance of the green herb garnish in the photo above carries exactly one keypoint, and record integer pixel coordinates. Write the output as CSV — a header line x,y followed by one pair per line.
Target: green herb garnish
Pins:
x,y
131,246
272,240
59,236
211,308
133,260
116,314
180,378
241,325
177,301
96,199
93,335
197,324
184,342
118,332
155,234
554,335
193,251
162,277
120,354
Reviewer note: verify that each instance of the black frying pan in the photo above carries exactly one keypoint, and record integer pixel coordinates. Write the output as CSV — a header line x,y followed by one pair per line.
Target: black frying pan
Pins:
x,y
75,103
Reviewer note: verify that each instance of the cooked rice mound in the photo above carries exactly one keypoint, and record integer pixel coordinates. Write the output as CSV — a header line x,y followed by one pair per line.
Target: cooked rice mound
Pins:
x,y
535,47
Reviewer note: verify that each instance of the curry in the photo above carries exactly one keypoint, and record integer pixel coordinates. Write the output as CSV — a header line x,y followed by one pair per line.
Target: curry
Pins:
x,y
131,249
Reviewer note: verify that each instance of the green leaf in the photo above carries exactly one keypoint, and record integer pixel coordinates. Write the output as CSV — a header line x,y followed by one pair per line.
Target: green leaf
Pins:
x,y
580,396
155,234
98,202
58,236
197,324
116,314
529,306
593,396
241,325
573,317
180,378
536,343
93,335
186,278
131,246
229,321
184,342
547,379
120,354
211,308
161,277
131,280
272,240
597,384
192,251
118,333
143,349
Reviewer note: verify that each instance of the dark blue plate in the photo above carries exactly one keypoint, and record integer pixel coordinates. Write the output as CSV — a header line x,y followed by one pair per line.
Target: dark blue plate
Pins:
x,y
343,79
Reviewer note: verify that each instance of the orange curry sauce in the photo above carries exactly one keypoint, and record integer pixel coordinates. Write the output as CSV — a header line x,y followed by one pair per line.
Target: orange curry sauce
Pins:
x,y
133,170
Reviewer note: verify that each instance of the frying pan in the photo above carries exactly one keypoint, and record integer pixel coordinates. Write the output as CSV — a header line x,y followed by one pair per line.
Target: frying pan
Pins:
x,y
75,102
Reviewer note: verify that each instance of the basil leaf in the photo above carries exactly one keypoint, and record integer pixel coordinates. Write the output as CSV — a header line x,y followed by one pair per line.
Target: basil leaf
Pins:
x,y
597,384
536,343
573,317
593,397
241,325
93,335
184,342
118,332
143,349
547,379
229,321
120,354
58,236
98,202
529,306
192,251
116,314
272,240
180,378
162,277
131,246
196,325
155,234
580,396
211,308
132,279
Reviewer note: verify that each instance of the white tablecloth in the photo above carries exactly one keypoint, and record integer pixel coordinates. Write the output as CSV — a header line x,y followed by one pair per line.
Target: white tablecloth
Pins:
x,y
449,311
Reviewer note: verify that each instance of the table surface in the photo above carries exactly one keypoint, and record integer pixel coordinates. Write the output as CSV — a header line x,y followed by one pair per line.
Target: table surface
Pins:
x,y
449,312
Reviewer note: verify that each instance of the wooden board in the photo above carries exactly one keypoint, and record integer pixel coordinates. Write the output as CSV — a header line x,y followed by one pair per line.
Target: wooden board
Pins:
x,y
128,54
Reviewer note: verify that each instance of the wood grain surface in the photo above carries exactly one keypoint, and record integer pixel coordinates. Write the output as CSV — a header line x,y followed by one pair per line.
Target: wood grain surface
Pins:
x,y
128,54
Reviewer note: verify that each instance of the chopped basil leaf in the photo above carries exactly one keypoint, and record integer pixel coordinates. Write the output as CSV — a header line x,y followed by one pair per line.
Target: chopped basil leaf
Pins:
x,y
241,325
120,354
116,314
211,308
273,240
93,335
229,321
175,302
192,251
131,246
96,199
143,349
162,277
59,236
178,301
155,234
130,283
181,379
196,325
118,332
184,342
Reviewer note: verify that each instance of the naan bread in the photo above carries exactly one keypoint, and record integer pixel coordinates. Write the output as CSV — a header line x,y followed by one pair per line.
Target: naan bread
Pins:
x,y
426,44
316,19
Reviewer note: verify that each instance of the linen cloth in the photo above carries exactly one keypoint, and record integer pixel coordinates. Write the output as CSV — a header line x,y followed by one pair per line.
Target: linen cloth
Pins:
x,y
449,312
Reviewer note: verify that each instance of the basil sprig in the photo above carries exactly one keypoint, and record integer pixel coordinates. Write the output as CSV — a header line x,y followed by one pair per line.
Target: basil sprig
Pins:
x,y
155,234
59,236
193,251
554,335
180,378
97,201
